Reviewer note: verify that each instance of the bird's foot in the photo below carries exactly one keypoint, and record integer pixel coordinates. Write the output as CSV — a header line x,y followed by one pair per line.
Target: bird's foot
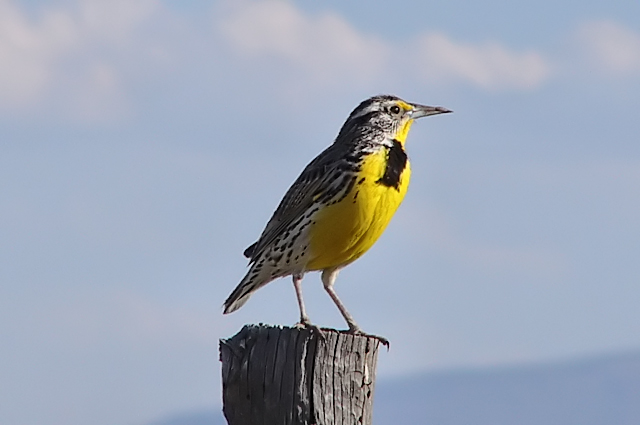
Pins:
x,y
357,331
305,323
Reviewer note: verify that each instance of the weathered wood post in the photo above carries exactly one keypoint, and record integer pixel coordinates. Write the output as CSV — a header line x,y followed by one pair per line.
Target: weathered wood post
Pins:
x,y
289,376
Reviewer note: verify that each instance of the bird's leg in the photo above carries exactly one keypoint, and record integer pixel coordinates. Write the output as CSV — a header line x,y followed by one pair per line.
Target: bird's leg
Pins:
x,y
328,279
305,322
297,284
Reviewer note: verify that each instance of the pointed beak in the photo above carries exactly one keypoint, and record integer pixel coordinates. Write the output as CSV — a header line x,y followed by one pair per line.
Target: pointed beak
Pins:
x,y
420,111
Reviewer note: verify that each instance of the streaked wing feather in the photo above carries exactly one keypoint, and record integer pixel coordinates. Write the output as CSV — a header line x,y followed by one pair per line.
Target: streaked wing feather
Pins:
x,y
298,198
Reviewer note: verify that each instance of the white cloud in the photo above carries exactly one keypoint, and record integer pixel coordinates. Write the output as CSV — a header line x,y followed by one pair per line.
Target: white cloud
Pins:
x,y
28,51
63,59
489,65
77,59
613,48
115,20
326,46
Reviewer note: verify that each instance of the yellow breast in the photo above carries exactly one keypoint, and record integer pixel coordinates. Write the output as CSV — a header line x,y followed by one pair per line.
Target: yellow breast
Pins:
x,y
344,231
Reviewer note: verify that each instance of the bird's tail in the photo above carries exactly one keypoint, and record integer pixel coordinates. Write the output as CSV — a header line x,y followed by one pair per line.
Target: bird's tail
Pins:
x,y
247,286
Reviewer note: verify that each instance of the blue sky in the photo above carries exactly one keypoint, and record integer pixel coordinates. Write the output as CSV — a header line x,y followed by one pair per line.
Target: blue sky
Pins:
x,y
144,145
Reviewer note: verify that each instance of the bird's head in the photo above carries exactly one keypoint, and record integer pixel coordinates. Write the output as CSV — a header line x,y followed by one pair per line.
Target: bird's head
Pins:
x,y
390,114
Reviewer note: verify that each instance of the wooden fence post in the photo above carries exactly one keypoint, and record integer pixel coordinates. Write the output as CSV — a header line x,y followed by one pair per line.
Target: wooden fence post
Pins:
x,y
289,376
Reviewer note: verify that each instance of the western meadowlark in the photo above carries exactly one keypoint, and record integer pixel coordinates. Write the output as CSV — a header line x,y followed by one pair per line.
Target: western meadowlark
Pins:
x,y
340,204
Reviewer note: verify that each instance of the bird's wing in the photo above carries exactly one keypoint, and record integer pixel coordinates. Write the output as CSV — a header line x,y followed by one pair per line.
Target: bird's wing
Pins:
x,y
298,199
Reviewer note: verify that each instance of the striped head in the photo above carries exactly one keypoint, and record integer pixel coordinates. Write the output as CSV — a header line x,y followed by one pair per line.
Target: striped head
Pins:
x,y
387,113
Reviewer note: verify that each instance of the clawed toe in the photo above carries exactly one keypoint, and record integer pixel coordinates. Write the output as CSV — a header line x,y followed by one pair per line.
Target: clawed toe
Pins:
x,y
306,324
357,331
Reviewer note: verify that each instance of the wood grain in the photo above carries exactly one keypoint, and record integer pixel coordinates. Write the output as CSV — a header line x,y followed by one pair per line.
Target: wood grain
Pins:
x,y
290,376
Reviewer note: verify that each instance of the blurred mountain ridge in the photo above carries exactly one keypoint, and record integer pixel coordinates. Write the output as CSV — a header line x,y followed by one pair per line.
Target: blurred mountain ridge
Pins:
x,y
602,390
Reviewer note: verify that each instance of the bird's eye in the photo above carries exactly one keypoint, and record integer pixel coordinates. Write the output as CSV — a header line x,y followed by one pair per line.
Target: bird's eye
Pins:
x,y
395,109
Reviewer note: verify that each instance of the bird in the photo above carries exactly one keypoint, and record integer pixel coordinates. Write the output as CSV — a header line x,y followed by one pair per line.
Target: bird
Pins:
x,y
339,205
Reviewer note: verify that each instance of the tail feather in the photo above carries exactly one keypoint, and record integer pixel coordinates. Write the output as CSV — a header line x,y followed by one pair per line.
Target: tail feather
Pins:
x,y
234,302
247,286
238,297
